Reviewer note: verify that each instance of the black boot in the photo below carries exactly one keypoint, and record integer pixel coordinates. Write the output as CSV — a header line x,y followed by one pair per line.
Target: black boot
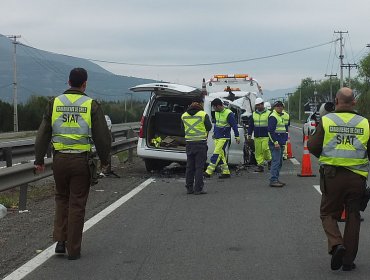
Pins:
x,y
61,247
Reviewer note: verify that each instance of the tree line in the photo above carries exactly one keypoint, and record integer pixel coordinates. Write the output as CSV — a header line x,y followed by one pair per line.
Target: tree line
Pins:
x,y
310,90
30,113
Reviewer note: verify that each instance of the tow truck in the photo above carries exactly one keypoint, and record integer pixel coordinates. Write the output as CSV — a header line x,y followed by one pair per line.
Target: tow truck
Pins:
x,y
238,92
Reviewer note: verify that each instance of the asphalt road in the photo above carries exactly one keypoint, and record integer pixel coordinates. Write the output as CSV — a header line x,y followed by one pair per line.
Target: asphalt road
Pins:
x,y
242,229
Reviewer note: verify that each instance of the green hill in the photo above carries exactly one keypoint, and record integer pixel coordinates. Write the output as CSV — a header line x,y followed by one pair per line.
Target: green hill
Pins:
x,y
46,74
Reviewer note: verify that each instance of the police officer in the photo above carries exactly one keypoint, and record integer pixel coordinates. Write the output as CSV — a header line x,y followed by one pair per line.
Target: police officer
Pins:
x,y
224,121
341,142
197,124
258,124
277,139
70,122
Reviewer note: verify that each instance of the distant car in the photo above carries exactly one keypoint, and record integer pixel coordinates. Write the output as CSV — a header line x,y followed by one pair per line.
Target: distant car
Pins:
x,y
311,123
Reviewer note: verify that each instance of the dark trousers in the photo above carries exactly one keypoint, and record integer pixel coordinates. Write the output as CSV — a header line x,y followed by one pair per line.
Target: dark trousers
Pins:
x,y
196,153
340,188
72,185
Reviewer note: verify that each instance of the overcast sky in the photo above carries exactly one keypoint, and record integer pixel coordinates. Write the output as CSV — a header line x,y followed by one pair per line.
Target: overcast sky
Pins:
x,y
173,32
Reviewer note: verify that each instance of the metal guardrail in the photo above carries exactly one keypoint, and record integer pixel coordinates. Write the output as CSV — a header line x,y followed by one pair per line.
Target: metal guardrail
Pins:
x,y
26,147
23,174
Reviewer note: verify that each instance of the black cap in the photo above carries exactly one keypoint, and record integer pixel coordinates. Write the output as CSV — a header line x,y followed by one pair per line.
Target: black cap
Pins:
x,y
216,102
277,103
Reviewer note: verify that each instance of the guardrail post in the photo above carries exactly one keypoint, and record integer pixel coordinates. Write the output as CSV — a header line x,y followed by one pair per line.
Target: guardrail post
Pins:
x,y
23,198
8,156
48,152
130,134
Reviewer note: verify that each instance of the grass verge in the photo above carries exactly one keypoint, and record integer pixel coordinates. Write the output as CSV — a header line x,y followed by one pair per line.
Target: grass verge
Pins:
x,y
10,198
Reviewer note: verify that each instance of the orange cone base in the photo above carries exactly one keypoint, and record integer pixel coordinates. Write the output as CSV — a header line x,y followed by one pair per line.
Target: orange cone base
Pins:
x,y
307,175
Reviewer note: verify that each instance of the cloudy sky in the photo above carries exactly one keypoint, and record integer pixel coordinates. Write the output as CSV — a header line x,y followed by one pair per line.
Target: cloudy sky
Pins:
x,y
178,33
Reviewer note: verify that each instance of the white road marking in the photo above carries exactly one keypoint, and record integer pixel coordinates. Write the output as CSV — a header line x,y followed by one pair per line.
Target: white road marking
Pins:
x,y
49,252
294,161
296,127
317,187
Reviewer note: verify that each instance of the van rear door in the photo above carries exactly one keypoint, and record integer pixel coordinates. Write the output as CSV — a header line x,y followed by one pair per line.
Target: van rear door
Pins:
x,y
164,89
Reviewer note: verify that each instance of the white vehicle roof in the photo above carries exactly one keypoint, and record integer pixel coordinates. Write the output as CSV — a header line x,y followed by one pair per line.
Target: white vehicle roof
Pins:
x,y
245,89
166,89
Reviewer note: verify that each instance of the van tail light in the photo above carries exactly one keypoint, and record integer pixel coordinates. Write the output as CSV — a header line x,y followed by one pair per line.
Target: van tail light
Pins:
x,y
141,131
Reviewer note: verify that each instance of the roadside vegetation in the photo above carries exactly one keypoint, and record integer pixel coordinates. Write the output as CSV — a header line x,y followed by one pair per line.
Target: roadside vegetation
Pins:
x,y
10,198
325,91
30,114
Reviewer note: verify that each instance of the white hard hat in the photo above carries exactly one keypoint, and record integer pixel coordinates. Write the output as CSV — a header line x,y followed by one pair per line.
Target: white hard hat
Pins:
x,y
267,105
259,100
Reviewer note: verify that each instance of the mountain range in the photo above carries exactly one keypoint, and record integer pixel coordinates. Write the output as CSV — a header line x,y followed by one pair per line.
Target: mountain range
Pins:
x,y
45,73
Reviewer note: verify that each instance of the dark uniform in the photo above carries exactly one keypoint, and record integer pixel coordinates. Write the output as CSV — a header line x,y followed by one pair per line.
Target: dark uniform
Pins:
x,y
341,144
196,123
72,146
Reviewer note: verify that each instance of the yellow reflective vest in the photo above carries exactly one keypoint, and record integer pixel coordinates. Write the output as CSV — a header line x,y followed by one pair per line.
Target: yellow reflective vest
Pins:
x,y
345,142
261,119
195,129
286,118
221,118
71,122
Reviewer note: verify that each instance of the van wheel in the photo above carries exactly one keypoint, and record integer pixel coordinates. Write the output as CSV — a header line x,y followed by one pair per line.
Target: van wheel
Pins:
x,y
154,164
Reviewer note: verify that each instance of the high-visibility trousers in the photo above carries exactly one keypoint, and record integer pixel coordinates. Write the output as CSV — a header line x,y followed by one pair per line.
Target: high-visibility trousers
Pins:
x,y
262,151
219,156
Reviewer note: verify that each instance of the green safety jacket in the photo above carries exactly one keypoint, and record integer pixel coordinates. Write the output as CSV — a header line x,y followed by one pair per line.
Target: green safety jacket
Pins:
x,y
278,135
71,122
286,118
345,142
261,119
221,118
195,129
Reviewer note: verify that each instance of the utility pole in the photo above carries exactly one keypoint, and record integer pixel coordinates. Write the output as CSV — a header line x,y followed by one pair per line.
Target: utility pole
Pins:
x,y
341,56
331,86
289,94
349,66
300,102
15,99
127,93
315,93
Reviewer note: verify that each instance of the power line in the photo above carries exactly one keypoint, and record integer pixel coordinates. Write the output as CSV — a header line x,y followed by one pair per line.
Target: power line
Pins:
x,y
43,62
6,85
331,47
212,63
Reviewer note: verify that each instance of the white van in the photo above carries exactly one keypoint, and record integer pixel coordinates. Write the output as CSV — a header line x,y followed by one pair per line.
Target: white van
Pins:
x,y
161,136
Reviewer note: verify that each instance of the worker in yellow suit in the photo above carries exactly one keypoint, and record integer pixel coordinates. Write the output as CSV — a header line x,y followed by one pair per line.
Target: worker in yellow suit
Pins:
x,y
224,121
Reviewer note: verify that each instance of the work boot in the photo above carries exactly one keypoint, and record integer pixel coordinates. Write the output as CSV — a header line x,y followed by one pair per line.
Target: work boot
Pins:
x,y
259,168
74,257
61,247
276,184
348,267
224,176
337,256
206,175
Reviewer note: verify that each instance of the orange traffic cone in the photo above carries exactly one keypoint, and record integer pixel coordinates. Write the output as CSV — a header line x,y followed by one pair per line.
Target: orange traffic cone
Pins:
x,y
343,216
306,170
289,148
